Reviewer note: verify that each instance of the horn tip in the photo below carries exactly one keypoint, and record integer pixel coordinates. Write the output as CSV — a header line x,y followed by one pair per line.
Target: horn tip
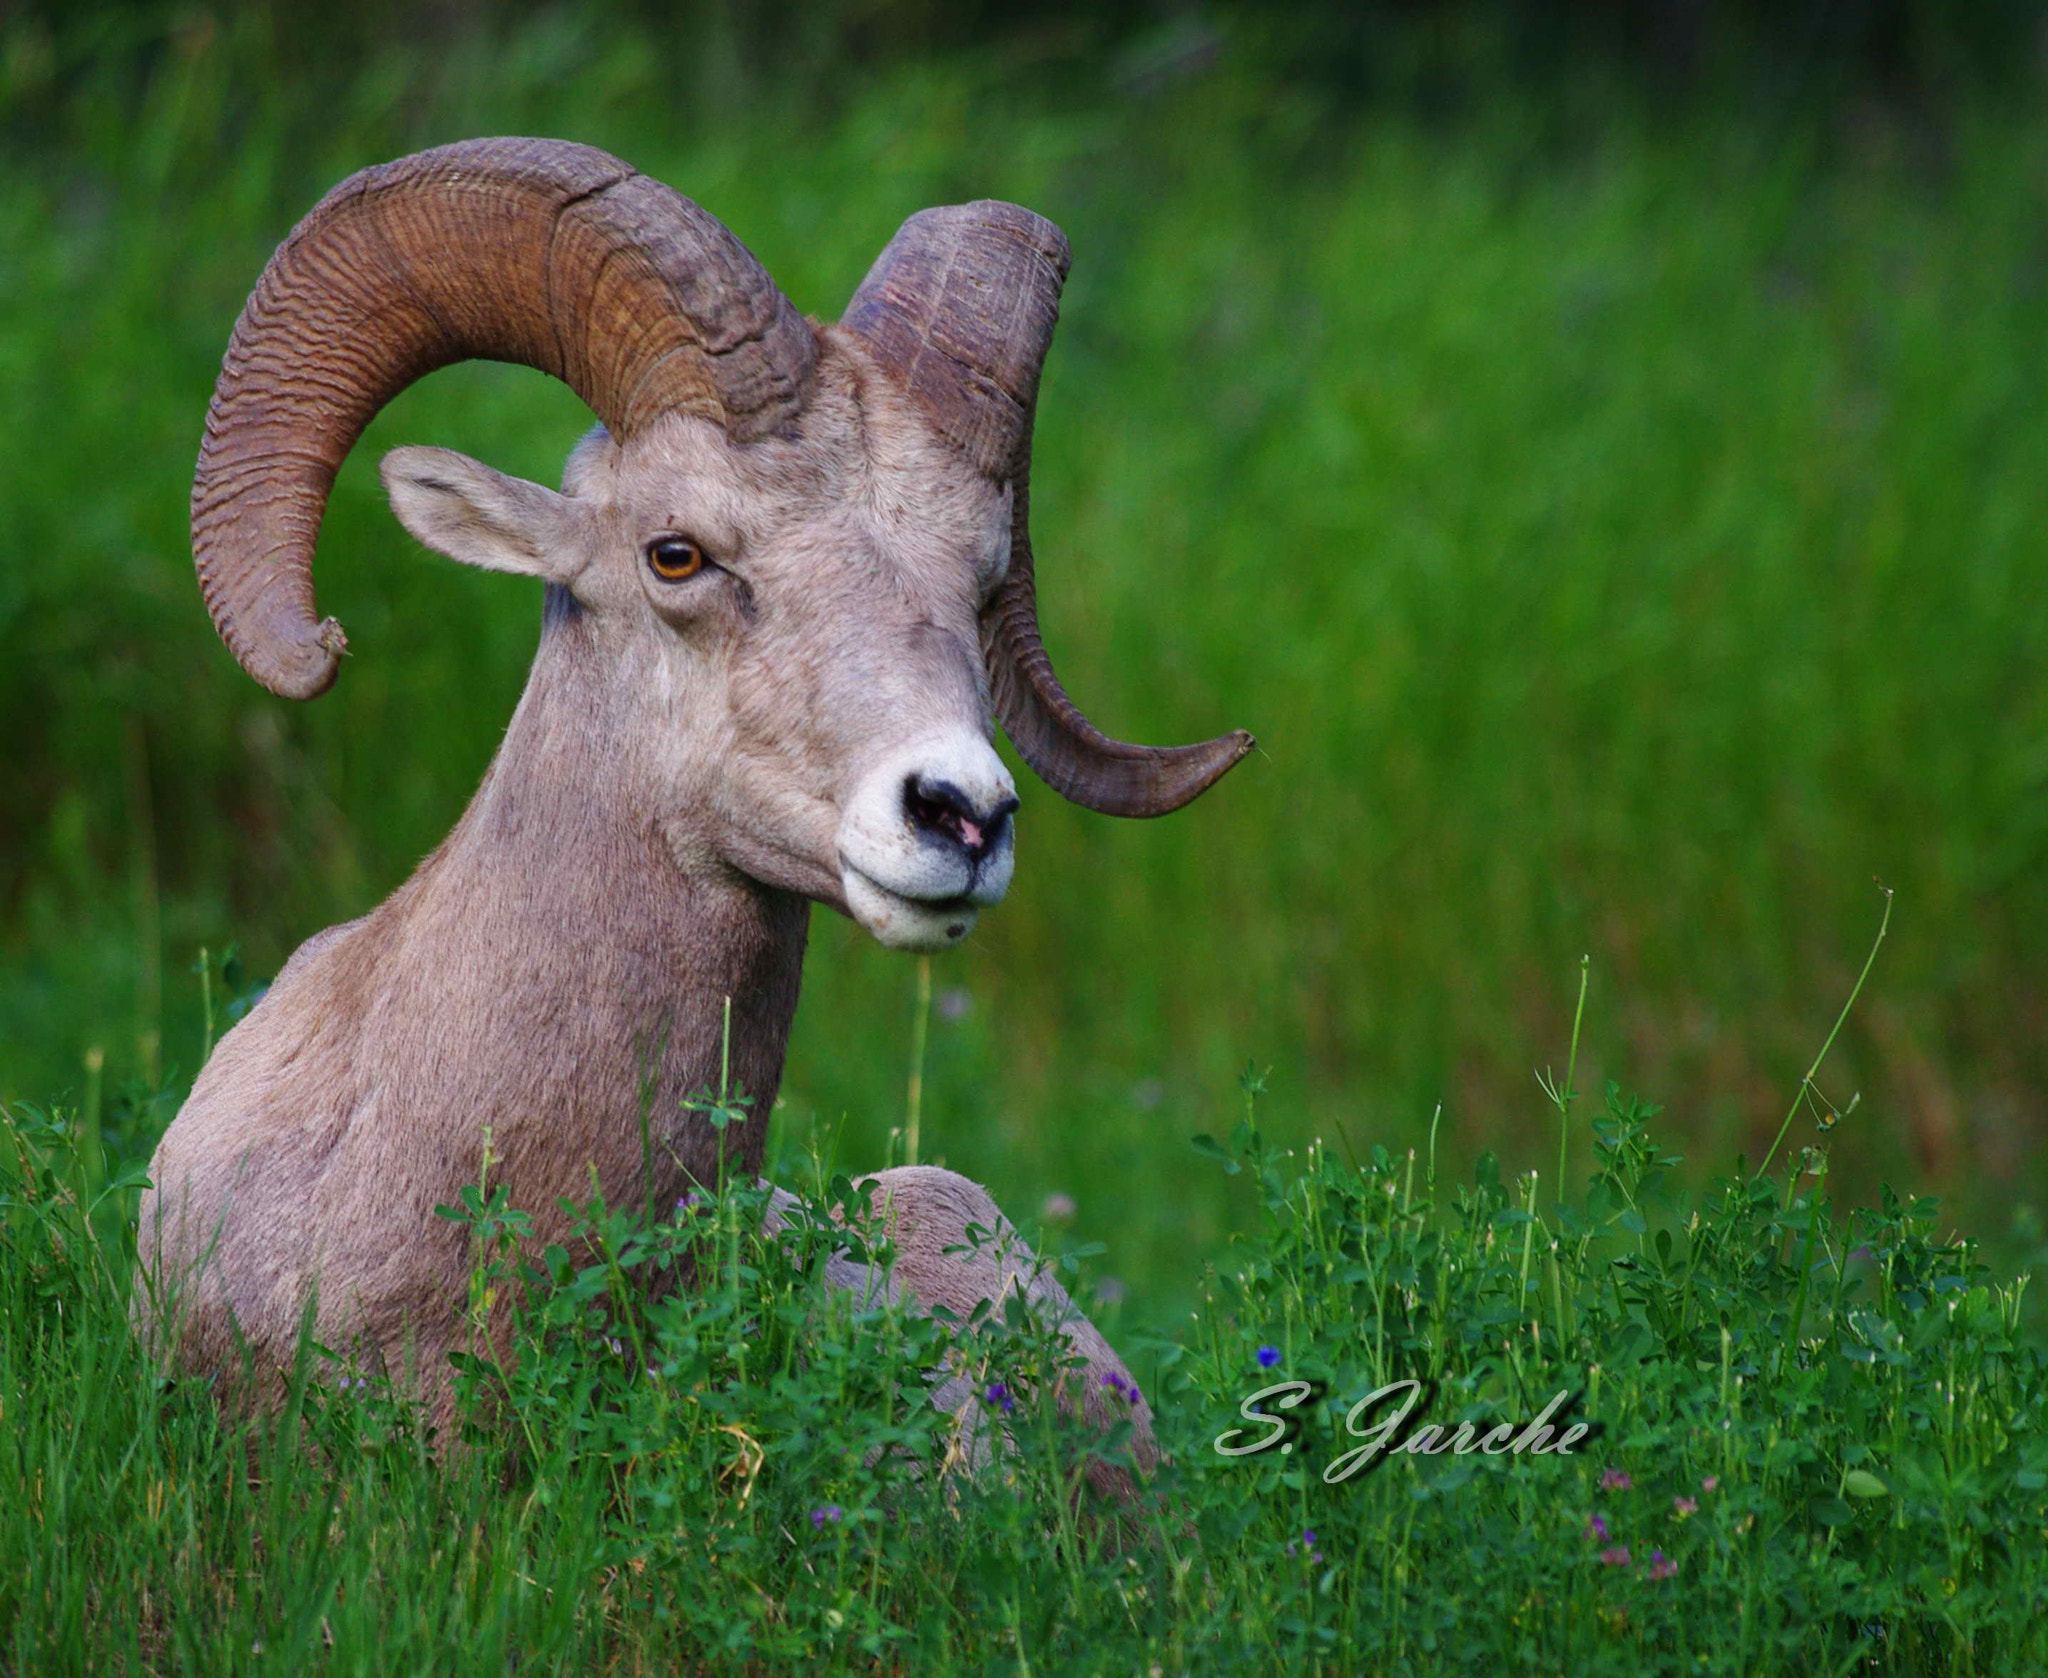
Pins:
x,y
1182,774
1211,763
300,669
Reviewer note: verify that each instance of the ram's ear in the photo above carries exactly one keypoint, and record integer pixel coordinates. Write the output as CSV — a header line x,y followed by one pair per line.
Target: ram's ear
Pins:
x,y
461,508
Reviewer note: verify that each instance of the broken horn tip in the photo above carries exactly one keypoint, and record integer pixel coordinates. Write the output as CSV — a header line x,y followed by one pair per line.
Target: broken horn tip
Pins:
x,y
306,677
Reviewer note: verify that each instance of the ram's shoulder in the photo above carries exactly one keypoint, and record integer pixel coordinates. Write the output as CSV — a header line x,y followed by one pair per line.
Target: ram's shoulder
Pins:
x,y
316,946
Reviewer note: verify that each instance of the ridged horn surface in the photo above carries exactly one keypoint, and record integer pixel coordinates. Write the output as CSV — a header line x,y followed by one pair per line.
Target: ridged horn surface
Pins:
x,y
959,309
551,255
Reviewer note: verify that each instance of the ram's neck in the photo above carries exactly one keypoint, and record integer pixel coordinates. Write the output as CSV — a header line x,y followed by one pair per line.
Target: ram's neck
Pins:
x,y
570,974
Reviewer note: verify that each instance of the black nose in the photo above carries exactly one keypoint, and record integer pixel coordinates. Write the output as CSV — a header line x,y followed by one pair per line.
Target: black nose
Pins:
x,y
942,810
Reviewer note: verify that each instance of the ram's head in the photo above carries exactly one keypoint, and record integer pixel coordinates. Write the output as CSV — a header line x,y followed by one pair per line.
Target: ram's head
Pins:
x,y
790,573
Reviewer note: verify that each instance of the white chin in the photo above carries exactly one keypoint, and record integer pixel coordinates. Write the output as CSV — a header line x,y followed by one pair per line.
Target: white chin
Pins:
x,y
906,923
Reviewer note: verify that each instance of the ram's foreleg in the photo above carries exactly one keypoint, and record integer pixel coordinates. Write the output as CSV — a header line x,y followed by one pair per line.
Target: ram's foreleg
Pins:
x,y
954,1248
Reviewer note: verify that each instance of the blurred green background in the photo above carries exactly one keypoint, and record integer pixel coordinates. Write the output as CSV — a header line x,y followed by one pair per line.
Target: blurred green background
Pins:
x,y
1599,450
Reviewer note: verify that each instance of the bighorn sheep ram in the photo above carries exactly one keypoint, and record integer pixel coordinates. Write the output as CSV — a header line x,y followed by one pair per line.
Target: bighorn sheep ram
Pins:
x,y
787,578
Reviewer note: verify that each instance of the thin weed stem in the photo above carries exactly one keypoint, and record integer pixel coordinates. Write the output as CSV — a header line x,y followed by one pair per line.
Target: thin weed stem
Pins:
x,y
1806,1083
920,1024
206,1003
1561,1096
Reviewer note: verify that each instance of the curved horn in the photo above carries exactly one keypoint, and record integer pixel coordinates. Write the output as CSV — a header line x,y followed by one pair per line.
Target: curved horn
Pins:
x,y
959,309
552,255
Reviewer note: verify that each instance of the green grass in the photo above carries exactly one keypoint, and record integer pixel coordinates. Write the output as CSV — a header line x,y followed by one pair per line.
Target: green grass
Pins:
x,y
1623,532
1622,527
1818,1446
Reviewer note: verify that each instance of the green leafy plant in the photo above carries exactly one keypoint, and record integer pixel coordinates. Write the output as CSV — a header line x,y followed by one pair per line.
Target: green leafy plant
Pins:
x,y
1811,1440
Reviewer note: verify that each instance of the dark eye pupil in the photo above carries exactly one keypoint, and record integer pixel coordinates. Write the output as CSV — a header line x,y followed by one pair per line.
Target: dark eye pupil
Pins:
x,y
675,559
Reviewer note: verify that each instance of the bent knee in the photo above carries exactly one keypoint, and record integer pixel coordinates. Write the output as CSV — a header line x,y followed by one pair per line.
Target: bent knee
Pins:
x,y
924,1202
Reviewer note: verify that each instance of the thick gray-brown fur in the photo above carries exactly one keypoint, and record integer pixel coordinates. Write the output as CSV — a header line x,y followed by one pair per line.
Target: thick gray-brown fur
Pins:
x,y
670,796
787,588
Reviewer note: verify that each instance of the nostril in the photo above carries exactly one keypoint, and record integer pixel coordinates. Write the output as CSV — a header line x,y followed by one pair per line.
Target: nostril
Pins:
x,y
940,808
998,820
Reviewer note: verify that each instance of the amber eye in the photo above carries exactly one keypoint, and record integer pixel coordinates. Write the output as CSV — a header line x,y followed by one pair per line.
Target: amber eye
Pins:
x,y
673,558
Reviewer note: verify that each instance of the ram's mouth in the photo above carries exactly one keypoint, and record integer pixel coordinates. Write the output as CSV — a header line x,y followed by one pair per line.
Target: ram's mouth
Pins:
x,y
906,923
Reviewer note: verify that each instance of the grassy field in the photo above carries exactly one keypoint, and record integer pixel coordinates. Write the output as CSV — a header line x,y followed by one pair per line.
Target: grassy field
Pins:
x,y
1621,524
1815,1446
1623,535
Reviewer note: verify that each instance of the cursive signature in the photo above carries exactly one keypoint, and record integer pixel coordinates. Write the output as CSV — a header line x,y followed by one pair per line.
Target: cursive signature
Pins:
x,y
1385,1421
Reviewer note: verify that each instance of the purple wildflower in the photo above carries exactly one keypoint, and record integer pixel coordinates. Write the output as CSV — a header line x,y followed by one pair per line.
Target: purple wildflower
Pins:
x,y
1661,1566
1615,1480
998,1397
1268,1356
826,1512
1125,1390
1685,1506
1596,1527
1616,1556
1709,1483
1306,1548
